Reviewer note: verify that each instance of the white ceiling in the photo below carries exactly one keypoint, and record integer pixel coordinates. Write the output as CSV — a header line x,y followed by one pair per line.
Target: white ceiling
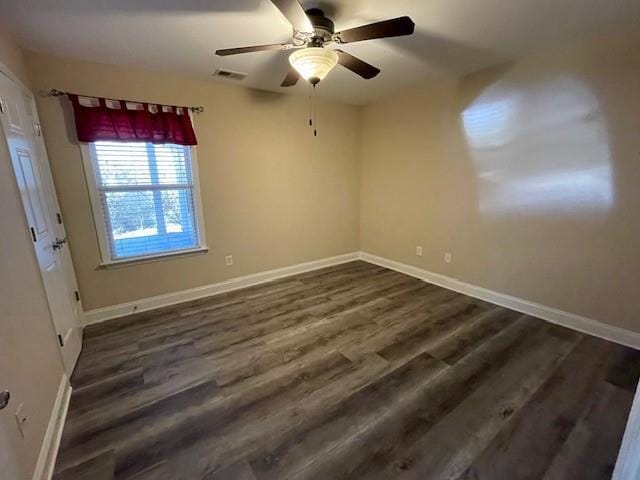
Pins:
x,y
180,35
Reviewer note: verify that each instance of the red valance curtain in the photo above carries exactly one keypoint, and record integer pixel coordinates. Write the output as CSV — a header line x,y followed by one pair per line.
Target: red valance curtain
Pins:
x,y
167,124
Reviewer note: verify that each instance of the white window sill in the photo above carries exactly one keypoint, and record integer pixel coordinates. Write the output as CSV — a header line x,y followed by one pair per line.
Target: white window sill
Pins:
x,y
127,262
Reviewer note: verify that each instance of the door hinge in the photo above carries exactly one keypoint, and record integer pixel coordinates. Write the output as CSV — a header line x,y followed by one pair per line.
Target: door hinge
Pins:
x,y
59,218
33,234
77,294
37,129
60,341
1,105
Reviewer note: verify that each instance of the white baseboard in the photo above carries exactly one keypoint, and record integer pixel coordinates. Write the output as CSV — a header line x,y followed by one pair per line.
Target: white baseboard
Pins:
x,y
115,311
53,435
553,315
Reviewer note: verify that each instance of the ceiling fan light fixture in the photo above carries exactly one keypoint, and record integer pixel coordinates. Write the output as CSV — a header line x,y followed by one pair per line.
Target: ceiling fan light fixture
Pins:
x,y
313,63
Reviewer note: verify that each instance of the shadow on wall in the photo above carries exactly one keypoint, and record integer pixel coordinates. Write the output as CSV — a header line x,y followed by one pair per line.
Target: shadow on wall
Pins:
x,y
69,119
154,6
446,54
538,145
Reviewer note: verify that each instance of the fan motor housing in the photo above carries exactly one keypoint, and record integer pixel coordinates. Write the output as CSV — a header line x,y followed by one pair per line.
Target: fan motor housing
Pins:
x,y
322,26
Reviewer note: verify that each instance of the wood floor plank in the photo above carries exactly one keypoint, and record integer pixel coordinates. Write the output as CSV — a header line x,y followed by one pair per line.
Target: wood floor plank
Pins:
x,y
590,451
448,449
102,393
236,471
352,371
475,330
100,467
225,436
326,432
433,330
387,439
83,444
528,445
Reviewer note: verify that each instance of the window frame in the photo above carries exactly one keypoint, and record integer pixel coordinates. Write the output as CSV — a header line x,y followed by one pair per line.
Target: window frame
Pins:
x,y
89,160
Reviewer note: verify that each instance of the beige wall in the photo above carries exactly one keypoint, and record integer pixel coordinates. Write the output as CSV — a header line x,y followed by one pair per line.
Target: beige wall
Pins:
x,y
30,363
273,195
528,174
12,56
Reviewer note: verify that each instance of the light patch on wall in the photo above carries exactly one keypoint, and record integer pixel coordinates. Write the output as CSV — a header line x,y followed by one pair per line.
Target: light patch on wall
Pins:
x,y
539,148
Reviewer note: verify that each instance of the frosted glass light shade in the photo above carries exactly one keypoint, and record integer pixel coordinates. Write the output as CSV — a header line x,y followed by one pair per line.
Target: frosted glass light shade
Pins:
x,y
313,63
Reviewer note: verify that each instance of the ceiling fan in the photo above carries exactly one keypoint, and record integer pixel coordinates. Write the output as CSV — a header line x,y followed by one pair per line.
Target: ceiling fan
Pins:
x,y
312,32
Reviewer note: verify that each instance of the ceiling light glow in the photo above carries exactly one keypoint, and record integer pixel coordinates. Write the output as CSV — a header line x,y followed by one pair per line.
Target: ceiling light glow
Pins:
x,y
313,63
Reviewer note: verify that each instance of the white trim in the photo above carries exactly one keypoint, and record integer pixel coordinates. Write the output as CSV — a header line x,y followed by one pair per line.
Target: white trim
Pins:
x,y
197,201
100,221
115,311
53,435
154,258
628,464
553,315
96,205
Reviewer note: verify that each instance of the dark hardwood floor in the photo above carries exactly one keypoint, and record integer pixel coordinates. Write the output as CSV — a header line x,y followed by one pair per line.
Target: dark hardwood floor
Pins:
x,y
353,371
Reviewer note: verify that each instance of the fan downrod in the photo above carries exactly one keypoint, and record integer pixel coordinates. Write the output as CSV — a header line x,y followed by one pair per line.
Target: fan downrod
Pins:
x,y
323,27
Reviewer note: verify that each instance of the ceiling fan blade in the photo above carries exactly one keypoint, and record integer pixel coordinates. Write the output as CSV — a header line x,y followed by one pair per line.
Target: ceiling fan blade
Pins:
x,y
291,79
396,27
356,65
257,48
294,13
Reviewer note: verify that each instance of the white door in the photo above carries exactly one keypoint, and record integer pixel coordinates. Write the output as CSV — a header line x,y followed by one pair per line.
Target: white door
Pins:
x,y
28,156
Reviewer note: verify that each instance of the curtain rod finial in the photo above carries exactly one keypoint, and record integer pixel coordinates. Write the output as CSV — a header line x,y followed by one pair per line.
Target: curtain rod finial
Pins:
x,y
54,92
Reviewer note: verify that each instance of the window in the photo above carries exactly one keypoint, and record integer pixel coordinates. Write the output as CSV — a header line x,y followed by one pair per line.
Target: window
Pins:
x,y
145,199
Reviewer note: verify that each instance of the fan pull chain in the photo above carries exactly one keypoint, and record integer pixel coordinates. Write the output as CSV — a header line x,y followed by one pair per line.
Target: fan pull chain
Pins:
x,y
310,108
313,109
315,112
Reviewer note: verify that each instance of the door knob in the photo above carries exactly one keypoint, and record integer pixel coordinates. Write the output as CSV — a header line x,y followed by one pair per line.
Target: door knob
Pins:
x,y
4,399
57,245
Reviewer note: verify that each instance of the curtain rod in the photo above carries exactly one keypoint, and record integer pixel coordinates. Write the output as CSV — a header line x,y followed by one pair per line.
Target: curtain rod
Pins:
x,y
54,92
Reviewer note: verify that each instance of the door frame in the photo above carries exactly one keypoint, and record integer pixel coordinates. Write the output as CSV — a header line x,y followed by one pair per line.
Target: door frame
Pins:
x,y
68,267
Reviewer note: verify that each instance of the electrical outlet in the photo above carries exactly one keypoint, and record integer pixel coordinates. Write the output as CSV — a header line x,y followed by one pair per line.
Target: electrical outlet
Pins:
x,y
448,257
419,251
21,418
228,260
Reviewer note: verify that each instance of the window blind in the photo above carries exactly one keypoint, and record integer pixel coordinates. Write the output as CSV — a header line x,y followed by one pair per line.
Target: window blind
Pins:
x,y
147,197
